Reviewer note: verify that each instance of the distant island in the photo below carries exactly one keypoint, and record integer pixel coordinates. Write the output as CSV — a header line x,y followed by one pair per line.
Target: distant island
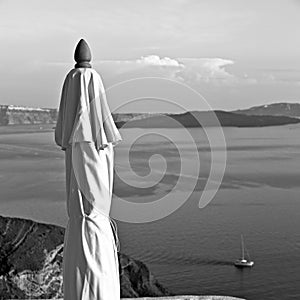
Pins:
x,y
207,119
266,115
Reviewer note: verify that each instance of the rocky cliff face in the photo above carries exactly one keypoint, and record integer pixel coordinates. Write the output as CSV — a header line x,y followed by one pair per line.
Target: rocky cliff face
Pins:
x,y
31,256
12,115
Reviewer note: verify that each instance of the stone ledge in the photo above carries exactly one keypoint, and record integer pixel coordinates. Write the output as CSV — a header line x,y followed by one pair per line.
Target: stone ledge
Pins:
x,y
186,297
182,297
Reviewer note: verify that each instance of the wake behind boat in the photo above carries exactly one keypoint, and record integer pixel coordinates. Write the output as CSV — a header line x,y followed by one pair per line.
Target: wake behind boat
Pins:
x,y
243,262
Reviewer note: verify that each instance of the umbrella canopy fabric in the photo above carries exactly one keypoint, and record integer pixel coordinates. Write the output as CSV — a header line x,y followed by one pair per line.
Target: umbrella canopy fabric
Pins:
x,y
84,114
86,132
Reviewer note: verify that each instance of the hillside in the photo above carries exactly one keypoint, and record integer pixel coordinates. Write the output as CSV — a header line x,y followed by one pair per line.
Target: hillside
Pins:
x,y
208,118
274,109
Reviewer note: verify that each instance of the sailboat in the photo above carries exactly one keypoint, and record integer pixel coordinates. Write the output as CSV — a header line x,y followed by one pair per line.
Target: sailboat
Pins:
x,y
243,262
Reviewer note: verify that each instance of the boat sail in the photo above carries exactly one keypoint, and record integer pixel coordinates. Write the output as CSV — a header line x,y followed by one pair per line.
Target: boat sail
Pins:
x,y
243,262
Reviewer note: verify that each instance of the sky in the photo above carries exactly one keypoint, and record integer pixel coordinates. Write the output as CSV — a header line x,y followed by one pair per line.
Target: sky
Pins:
x,y
158,55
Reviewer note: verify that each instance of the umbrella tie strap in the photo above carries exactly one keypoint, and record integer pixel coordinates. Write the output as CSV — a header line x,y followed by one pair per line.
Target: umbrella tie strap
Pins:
x,y
115,233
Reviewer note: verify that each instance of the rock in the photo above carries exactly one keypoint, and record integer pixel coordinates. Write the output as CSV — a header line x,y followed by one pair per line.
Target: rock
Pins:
x,y
31,256
137,280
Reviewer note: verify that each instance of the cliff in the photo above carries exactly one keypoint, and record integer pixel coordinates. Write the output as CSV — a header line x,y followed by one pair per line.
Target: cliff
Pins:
x,y
12,115
31,263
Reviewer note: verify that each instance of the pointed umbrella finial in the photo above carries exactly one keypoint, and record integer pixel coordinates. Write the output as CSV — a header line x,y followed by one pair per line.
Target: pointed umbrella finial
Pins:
x,y
82,55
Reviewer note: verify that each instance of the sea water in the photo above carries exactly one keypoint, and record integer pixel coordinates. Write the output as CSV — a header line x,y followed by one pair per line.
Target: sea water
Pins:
x,y
192,250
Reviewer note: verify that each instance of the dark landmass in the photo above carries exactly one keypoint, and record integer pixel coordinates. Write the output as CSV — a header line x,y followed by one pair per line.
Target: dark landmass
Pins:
x,y
274,109
267,115
207,119
31,256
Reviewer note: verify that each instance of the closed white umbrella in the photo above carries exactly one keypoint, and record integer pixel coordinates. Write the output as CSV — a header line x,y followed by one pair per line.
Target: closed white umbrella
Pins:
x,y
87,133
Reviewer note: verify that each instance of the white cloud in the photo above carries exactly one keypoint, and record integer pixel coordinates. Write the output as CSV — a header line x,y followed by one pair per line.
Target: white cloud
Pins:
x,y
215,67
188,70
209,70
155,60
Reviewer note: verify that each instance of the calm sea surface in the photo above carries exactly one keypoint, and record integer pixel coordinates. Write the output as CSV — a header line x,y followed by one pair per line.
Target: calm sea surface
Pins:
x,y
192,250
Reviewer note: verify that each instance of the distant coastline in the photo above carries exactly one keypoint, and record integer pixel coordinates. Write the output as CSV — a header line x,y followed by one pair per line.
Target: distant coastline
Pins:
x,y
275,114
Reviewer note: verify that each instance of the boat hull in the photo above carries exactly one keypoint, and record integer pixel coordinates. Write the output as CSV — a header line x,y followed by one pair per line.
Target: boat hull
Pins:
x,y
244,264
